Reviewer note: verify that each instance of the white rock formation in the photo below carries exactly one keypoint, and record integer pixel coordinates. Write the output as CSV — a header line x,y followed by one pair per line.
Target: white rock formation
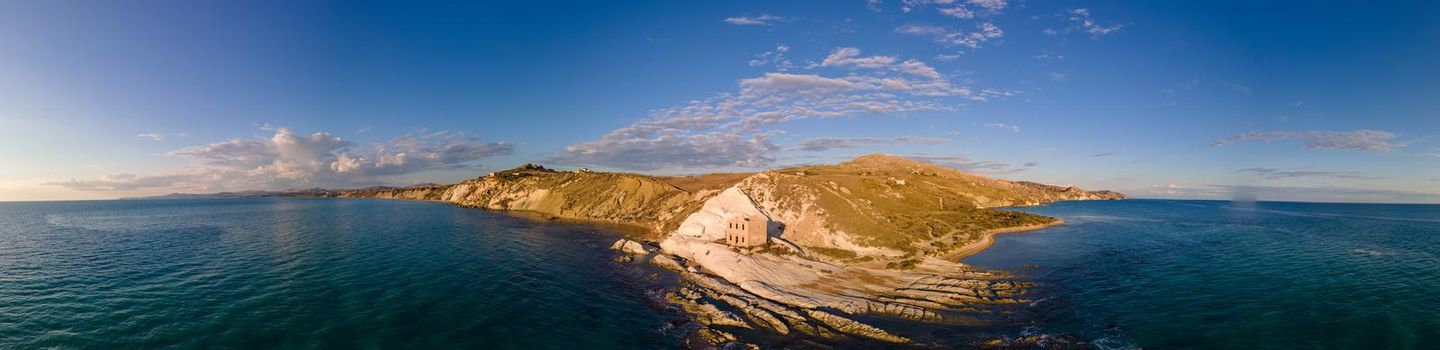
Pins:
x,y
709,222
798,289
631,247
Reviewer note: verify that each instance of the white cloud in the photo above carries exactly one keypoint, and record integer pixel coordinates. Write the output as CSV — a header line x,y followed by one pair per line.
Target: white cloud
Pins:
x,y
925,30
780,82
154,136
761,20
1283,174
1080,18
776,57
1003,126
1285,193
1057,76
829,143
985,32
1324,194
960,12
1362,140
125,182
1047,57
289,160
849,57
735,130
992,5
910,5
1242,89
643,147
917,68
965,163
955,9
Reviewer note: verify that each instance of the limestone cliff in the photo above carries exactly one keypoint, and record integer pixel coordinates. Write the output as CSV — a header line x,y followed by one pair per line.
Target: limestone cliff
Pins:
x,y
613,197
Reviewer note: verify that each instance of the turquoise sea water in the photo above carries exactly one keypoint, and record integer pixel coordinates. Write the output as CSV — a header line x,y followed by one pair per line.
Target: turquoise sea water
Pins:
x,y
310,273
354,273
1232,275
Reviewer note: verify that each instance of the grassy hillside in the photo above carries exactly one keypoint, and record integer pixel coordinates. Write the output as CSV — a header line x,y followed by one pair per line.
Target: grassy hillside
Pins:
x,y
873,206
905,207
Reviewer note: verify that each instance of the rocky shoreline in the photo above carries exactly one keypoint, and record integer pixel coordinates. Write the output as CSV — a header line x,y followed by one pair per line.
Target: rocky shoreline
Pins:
x,y
936,293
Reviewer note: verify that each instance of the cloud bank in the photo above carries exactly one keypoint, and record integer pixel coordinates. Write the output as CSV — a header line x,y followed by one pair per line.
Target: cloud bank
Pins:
x,y
737,129
829,143
1360,140
289,159
761,20
1284,174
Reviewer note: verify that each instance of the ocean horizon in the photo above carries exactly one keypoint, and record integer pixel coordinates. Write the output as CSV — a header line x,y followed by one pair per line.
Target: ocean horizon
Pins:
x,y
318,273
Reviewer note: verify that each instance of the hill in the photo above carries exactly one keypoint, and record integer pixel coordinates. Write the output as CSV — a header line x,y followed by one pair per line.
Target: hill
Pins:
x,y
877,206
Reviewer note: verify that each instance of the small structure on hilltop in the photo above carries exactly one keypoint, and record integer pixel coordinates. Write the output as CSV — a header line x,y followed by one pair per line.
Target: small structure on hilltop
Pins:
x,y
747,230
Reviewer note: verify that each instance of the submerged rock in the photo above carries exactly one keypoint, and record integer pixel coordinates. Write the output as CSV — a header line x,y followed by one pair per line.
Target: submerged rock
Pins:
x,y
631,247
852,327
706,313
668,263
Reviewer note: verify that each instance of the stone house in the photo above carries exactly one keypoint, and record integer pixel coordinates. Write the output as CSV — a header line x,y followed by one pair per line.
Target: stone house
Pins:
x,y
747,230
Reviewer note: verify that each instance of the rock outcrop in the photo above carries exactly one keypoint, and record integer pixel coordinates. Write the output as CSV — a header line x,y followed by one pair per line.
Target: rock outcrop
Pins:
x,y
785,293
631,247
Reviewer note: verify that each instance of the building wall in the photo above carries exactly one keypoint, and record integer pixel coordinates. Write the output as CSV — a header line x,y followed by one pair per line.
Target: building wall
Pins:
x,y
746,233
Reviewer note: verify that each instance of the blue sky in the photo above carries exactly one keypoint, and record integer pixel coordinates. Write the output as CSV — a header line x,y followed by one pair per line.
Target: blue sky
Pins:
x,y
1270,100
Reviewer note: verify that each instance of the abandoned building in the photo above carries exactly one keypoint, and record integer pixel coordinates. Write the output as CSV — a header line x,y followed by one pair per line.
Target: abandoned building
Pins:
x,y
747,230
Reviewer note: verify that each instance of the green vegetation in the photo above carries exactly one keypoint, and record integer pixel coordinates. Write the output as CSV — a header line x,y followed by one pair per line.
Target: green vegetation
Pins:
x,y
834,252
907,264
909,206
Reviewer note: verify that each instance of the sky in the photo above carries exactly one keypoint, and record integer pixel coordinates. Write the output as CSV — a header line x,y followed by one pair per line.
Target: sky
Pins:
x,y
1241,100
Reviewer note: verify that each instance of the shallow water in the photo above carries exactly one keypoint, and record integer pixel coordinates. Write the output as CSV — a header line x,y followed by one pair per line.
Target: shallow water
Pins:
x,y
311,273
1232,275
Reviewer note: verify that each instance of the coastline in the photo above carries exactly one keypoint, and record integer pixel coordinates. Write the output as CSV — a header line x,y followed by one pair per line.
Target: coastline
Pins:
x,y
987,239
737,293
629,230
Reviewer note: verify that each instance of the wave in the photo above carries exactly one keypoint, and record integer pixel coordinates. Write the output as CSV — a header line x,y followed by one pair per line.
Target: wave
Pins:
x,y
1371,252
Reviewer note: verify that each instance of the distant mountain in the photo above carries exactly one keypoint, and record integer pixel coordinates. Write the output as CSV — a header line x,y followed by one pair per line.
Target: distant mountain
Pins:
x,y
309,192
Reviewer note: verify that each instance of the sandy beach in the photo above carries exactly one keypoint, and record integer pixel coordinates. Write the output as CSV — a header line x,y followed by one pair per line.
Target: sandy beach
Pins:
x,y
988,238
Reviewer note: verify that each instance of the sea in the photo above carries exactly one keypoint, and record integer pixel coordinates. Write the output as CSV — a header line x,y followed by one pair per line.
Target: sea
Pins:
x,y
1163,274
282,273
294,273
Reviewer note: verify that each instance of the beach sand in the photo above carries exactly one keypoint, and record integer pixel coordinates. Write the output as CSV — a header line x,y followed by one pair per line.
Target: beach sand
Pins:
x,y
988,238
